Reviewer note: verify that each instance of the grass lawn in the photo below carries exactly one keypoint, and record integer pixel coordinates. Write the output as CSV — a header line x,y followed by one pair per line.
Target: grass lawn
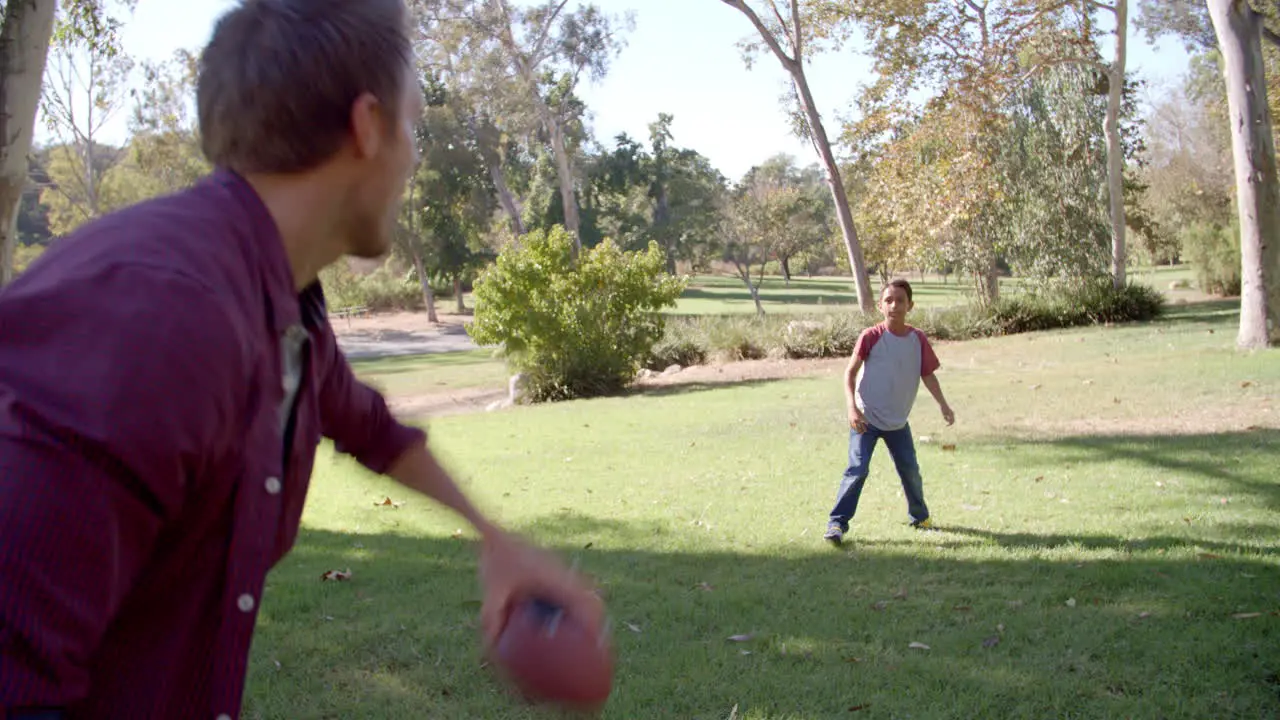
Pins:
x,y
722,295
1110,528
424,374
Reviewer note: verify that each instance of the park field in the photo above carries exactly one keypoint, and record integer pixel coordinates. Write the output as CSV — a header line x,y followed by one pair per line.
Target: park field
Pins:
x,y
1108,545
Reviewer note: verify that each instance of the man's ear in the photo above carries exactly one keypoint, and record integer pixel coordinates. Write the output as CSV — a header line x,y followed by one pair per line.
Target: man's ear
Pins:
x,y
368,125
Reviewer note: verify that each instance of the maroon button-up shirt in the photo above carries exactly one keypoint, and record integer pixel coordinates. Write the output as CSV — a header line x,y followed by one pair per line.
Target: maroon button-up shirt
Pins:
x,y
146,483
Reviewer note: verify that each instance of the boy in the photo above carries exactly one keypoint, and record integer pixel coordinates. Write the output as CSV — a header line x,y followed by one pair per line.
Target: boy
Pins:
x,y
893,359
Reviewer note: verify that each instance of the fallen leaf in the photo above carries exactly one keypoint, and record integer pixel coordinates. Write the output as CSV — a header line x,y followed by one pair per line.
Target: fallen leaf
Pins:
x,y
881,605
962,608
1210,556
856,708
948,448
853,660
991,642
733,714
919,646
1071,602
745,652
1088,382
1035,387
388,502
457,534
588,546
1000,628
1246,384
337,575
633,628
1246,616
1014,603
1144,615
900,595
741,638
1039,478
971,508
705,587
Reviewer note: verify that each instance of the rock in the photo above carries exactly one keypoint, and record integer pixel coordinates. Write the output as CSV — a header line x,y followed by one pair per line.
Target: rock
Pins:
x,y
672,370
645,374
516,389
1179,285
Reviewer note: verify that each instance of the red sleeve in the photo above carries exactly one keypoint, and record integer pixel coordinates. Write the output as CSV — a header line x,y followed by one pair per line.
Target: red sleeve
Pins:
x,y
356,417
929,362
866,341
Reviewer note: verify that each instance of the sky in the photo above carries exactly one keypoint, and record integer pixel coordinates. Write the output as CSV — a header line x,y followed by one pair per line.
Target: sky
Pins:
x,y
681,58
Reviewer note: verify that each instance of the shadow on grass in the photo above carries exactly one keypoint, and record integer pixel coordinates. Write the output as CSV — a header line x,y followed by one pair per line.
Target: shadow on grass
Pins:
x,y
690,388
1150,636
1222,457
1209,311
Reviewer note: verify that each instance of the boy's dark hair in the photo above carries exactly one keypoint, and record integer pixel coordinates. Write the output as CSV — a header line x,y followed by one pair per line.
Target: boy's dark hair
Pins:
x,y
898,283
278,78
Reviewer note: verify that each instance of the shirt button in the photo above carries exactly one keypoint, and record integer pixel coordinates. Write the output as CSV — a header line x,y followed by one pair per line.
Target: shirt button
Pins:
x,y
273,485
245,603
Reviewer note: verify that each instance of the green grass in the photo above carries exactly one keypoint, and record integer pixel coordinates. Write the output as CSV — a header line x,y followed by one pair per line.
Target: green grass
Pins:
x,y
721,295
425,374
1111,502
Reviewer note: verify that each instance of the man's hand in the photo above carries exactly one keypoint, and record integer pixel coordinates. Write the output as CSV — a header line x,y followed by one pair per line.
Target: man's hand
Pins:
x,y
511,570
857,420
948,415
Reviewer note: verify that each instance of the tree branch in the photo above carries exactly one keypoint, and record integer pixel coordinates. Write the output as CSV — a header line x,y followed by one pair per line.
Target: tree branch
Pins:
x,y
768,37
1271,36
546,32
795,29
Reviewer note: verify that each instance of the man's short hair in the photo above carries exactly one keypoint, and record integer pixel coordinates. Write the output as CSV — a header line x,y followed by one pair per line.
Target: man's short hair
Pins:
x,y
278,79
898,283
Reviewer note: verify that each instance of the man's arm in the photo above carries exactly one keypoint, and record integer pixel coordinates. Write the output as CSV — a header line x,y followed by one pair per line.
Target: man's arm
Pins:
x,y
115,390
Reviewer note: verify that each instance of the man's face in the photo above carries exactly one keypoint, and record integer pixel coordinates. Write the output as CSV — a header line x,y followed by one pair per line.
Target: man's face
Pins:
x,y
894,303
382,176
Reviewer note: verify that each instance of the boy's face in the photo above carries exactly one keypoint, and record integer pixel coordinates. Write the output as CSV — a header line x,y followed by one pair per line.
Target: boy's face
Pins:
x,y
894,304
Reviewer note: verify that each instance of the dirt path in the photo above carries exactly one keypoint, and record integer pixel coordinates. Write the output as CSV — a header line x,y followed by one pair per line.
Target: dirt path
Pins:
x,y
403,333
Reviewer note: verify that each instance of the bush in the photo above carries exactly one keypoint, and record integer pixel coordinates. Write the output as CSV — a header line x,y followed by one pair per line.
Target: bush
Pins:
x,y
732,338
381,290
1214,251
574,327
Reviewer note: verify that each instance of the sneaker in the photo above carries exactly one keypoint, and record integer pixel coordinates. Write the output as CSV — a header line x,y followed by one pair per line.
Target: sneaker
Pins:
x,y
925,524
834,534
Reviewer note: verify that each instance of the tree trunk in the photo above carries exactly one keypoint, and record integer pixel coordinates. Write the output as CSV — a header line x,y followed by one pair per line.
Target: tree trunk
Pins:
x,y
457,294
989,280
1239,31
1115,150
786,270
24,46
661,219
428,295
506,198
744,274
857,263
564,168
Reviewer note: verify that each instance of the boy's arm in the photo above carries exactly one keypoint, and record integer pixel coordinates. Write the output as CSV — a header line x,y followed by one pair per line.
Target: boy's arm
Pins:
x,y
935,389
856,419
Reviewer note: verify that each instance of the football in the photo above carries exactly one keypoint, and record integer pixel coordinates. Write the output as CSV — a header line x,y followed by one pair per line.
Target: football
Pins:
x,y
552,658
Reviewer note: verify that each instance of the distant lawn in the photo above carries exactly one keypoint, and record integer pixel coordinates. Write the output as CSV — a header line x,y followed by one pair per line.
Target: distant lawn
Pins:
x,y
1110,547
722,295
425,374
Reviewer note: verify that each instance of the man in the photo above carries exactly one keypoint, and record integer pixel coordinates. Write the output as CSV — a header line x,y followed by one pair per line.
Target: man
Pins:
x,y
167,372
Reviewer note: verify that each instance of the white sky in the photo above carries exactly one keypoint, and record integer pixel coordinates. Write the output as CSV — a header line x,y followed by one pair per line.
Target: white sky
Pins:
x,y
681,59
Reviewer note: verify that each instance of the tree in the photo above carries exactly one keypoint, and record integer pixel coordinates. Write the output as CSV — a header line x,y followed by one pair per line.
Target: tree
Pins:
x,y
797,35
165,147
1238,28
24,46
87,88
448,200
549,51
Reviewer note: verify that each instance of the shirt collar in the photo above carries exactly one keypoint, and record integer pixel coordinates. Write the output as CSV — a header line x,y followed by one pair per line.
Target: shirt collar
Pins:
x,y
266,246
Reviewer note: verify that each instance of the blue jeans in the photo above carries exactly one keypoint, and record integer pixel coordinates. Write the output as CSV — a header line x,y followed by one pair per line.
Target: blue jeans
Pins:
x,y
903,450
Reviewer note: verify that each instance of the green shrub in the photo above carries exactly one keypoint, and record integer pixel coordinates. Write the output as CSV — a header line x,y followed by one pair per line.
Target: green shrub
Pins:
x,y
731,338
1214,251
381,290
574,327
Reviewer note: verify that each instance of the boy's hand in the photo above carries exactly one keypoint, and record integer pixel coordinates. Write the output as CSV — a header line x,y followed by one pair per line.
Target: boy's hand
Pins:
x,y
857,420
948,415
